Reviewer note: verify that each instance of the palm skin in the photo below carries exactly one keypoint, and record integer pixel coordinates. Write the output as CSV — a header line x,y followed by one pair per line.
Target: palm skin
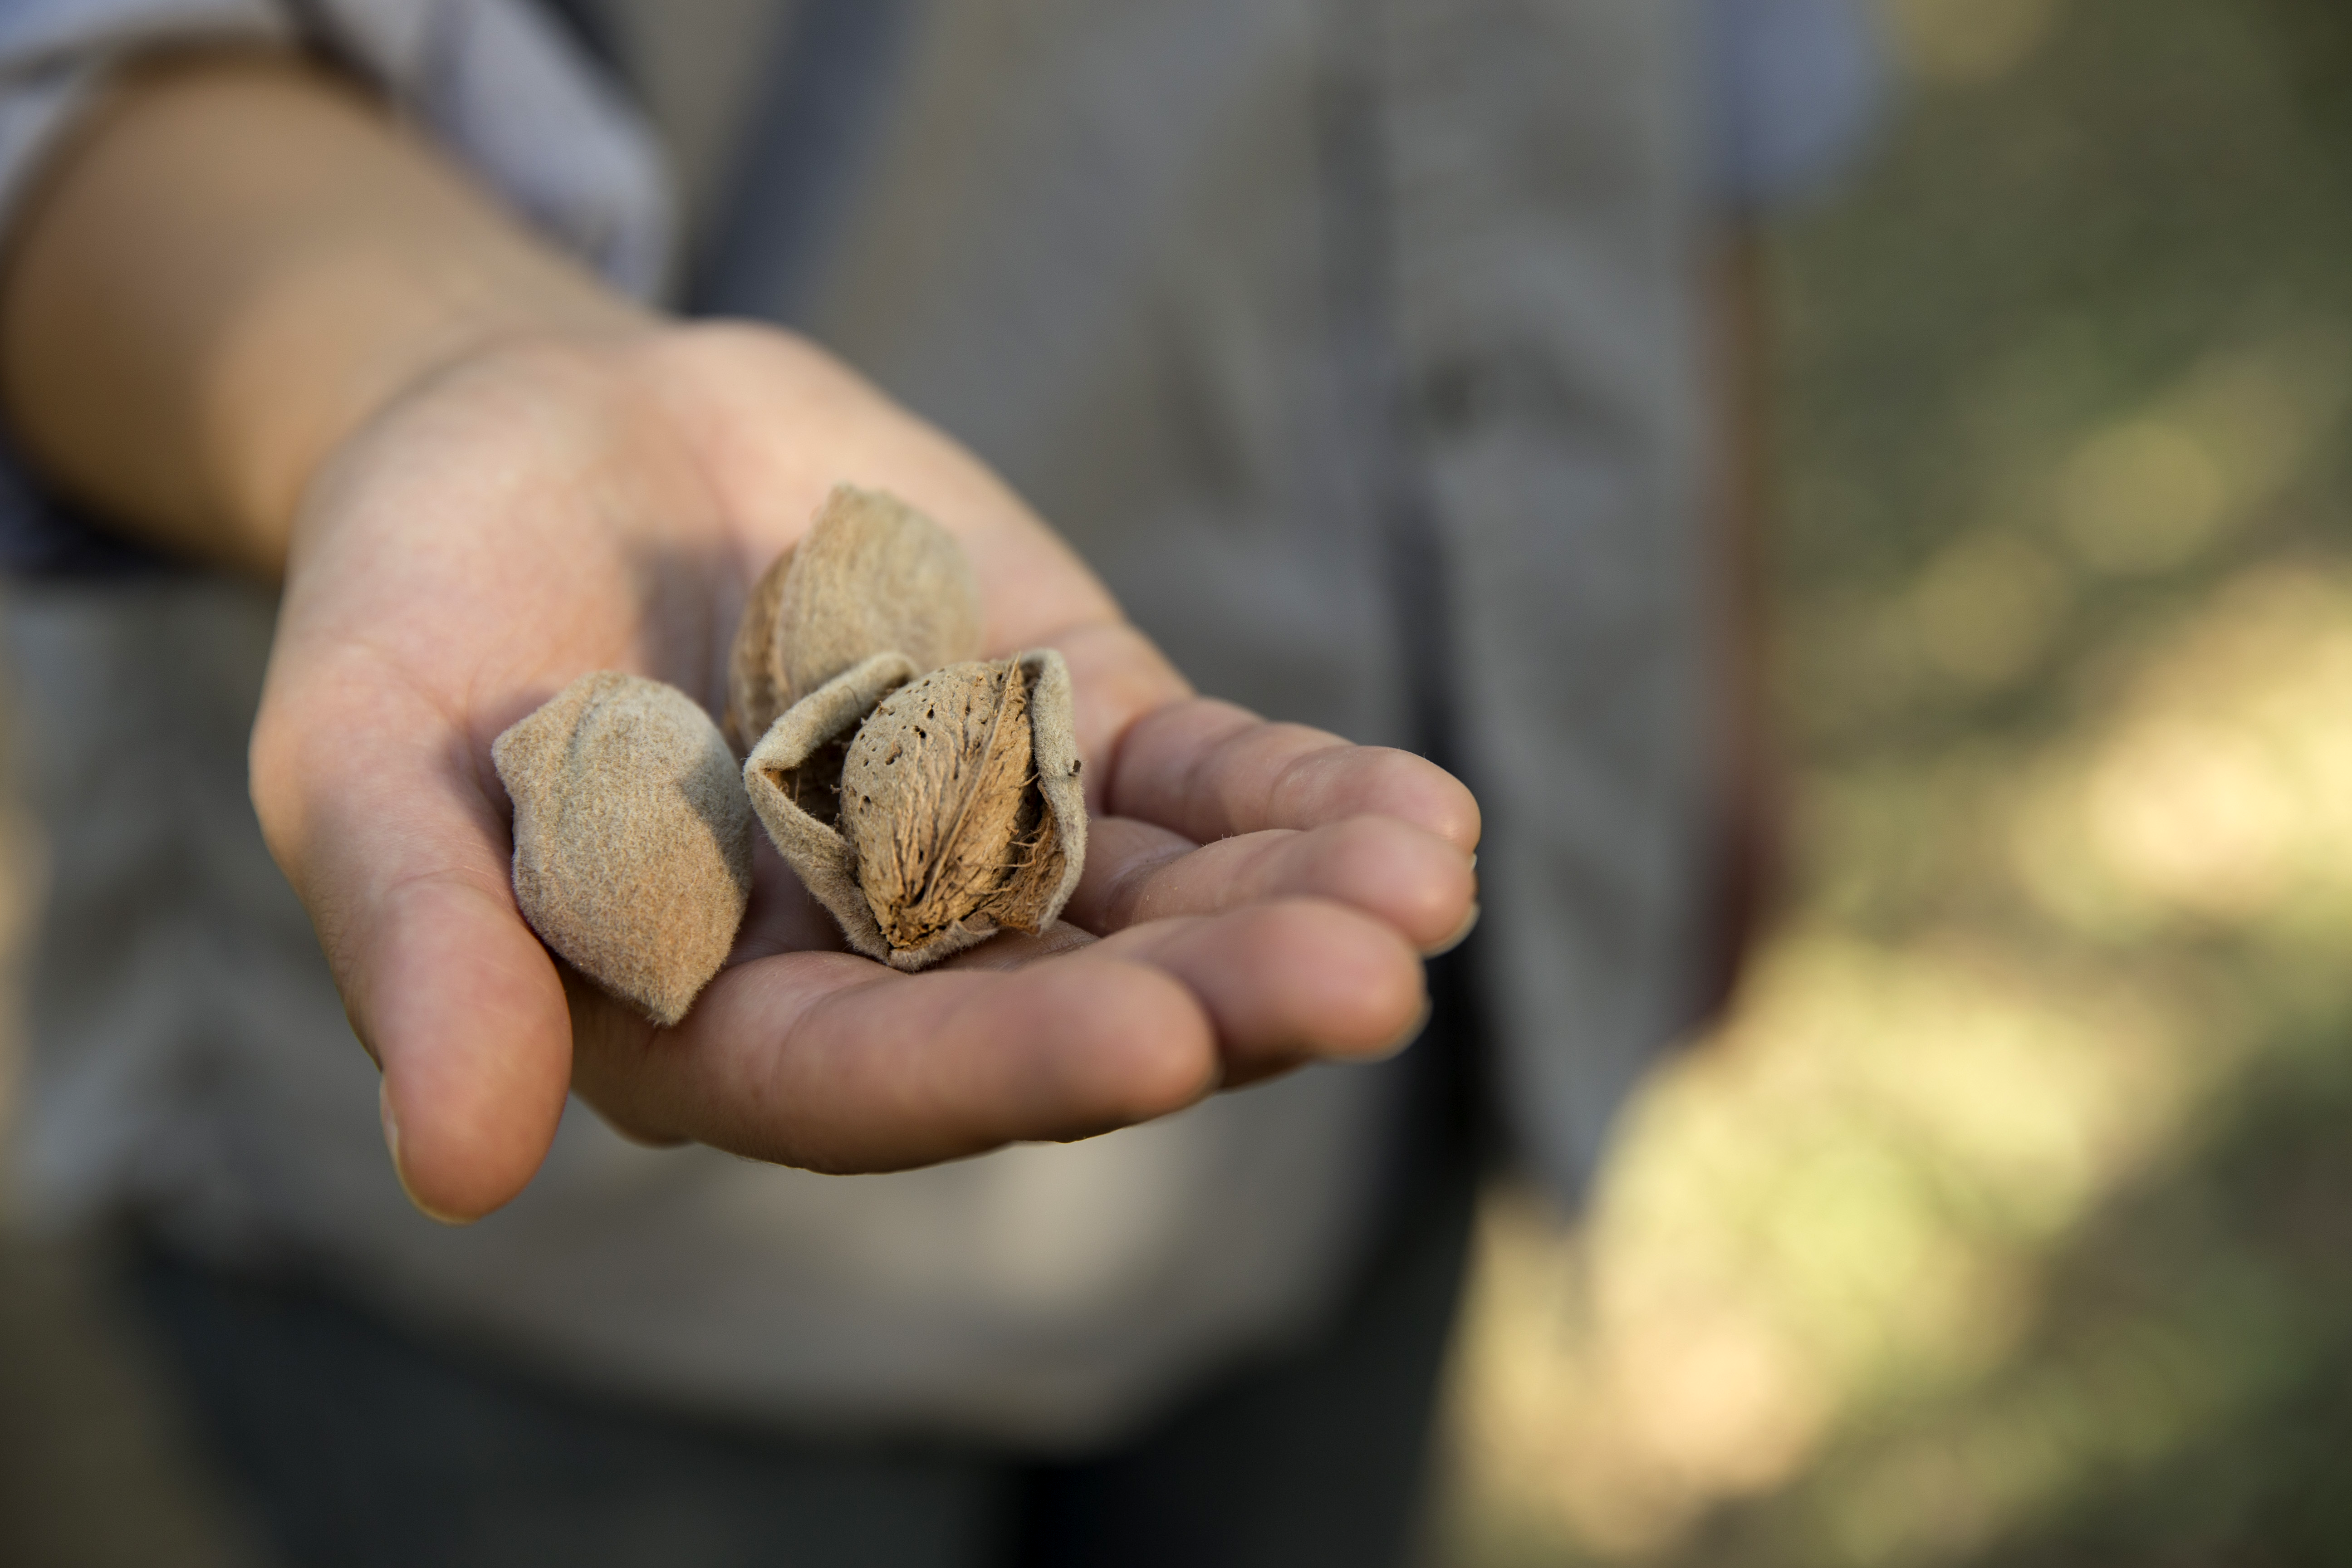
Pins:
x,y
1256,895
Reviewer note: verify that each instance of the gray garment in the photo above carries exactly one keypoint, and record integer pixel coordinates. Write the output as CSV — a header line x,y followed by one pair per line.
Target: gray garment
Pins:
x,y
494,80
360,1447
1355,344
1798,85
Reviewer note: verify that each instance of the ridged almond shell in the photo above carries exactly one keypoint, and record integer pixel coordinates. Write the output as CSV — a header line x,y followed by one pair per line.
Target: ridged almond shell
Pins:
x,y
929,812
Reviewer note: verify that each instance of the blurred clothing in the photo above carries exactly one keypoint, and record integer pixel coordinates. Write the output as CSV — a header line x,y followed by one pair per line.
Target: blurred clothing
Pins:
x,y
1304,1457
496,81
1798,85
1359,346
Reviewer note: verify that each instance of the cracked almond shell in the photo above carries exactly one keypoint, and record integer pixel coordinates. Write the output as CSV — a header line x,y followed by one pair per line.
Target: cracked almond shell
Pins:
x,y
926,812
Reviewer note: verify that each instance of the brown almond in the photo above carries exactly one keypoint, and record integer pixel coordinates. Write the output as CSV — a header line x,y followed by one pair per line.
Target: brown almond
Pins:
x,y
928,814
936,795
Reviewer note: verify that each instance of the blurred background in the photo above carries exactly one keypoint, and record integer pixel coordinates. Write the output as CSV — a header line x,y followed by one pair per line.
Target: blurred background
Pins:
x,y
2009,1220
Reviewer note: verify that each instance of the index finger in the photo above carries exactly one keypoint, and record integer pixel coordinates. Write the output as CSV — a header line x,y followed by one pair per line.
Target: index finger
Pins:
x,y
1209,770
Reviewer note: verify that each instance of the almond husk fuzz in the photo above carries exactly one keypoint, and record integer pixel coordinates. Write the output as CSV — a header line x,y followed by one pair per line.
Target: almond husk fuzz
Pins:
x,y
632,837
956,809
871,575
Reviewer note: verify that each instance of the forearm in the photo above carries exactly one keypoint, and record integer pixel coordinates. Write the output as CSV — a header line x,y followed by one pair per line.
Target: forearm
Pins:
x,y
237,262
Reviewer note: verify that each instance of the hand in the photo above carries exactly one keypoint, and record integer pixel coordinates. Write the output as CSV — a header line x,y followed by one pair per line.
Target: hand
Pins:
x,y
254,321
1256,895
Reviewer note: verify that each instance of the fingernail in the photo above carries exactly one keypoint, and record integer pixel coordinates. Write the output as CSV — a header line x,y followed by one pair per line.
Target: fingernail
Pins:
x,y
400,1172
1461,935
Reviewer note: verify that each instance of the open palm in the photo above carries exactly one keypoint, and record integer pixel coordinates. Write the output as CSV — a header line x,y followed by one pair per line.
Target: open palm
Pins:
x,y
1256,895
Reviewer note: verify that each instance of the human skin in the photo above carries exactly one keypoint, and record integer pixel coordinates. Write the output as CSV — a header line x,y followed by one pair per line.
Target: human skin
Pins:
x,y
248,319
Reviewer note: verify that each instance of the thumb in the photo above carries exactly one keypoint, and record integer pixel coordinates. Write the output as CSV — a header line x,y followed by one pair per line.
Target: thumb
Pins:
x,y
384,830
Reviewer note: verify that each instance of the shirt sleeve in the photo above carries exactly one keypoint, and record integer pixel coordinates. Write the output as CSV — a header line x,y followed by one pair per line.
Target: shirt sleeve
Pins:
x,y
1796,88
495,81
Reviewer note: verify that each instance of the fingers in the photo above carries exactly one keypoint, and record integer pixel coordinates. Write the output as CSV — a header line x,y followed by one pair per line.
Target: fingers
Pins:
x,y
1209,770
1416,882
831,1063
828,1062
1288,982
